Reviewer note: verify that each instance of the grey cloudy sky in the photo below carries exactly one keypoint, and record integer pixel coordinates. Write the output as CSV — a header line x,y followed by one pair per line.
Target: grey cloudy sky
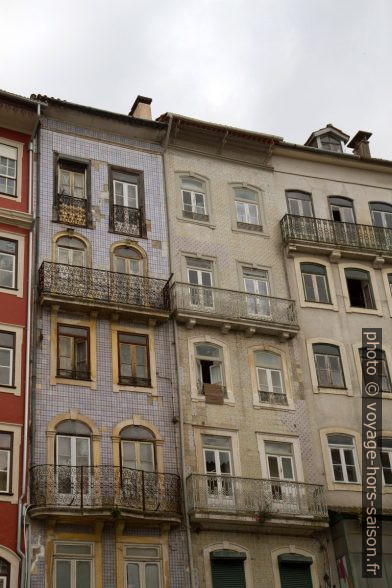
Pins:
x,y
286,67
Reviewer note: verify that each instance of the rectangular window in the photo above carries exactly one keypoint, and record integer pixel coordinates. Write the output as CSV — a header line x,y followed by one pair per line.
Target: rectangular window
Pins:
x,y
8,169
194,199
299,203
73,565
218,465
385,376
247,209
328,366
7,358
133,356
127,203
200,276
257,282
8,263
73,202
73,352
5,461
315,283
72,179
385,449
269,372
343,458
142,567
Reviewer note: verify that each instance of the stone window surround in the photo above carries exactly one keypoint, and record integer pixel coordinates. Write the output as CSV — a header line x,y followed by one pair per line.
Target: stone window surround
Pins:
x,y
373,281
199,430
280,438
286,377
331,285
295,550
331,484
233,547
73,415
357,361
178,177
347,390
139,422
260,203
13,560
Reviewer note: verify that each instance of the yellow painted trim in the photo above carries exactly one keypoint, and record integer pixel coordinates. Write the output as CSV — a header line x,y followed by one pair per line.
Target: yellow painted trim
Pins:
x,y
13,560
73,415
71,233
136,420
132,245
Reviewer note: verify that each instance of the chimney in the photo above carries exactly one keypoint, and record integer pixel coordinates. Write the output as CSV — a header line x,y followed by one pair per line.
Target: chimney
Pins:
x,y
360,144
141,108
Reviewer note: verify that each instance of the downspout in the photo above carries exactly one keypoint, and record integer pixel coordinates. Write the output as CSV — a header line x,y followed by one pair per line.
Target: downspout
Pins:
x,y
21,508
179,398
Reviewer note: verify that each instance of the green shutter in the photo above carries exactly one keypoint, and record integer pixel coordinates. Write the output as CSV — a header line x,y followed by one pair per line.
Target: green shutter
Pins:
x,y
295,575
228,573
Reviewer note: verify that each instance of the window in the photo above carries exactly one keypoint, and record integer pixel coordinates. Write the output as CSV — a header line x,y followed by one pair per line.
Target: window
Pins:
x,y
194,203
330,143
385,448
209,366
390,283
257,282
381,214
8,169
299,203
127,203
137,449
7,358
280,463
142,566
5,570
134,369
385,376
128,260
247,209
342,209
200,276
73,202
72,179
5,462
217,454
8,263
328,366
315,283
269,371
73,353
359,288
343,458
71,251
73,458
73,565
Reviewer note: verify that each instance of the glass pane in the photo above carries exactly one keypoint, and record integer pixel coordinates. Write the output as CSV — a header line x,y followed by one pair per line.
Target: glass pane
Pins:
x,y
83,574
340,440
241,212
351,473
306,208
152,575
322,288
224,462
63,450
263,380
187,201
6,261
216,374
5,440
216,441
204,350
136,552
209,457
63,574
276,378
273,466
349,456
73,548
147,457
5,376
128,454
338,473
278,448
206,278
268,360
253,214
336,457
309,288
133,578
193,276
132,196
6,279
82,451
141,362
287,466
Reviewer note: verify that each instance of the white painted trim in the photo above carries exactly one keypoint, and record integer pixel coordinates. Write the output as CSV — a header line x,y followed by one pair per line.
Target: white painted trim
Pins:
x,y
347,391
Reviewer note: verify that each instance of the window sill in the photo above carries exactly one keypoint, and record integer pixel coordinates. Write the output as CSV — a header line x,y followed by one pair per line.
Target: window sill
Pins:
x,y
339,391
263,234
267,406
71,382
12,291
207,224
345,486
354,309
226,401
150,391
319,305
10,390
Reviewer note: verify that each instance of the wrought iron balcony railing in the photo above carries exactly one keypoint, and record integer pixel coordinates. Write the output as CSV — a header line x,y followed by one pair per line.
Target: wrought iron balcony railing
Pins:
x,y
101,286
329,232
233,306
86,488
73,211
126,220
252,497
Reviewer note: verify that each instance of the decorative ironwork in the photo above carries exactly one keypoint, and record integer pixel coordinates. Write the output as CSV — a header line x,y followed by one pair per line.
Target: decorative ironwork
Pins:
x,y
104,487
273,398
249,227
329,232
233,305
195,216
73,374
73,211
126,220
103,286
249,496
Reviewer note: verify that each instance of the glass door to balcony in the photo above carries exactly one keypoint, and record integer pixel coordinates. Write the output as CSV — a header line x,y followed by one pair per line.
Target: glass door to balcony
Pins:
x,y
139,480
70,276
200,276
256,283
218,467
284,490
382,219
73,469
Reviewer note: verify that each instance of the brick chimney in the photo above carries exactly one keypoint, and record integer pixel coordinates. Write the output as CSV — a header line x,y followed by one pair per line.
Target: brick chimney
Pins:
x,y
360,144
141,108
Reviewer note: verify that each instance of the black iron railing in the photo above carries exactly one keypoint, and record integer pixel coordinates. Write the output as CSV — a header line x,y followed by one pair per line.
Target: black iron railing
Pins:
x,y
329,232
232,304
103,286
251,496
94,487
73,211
126,220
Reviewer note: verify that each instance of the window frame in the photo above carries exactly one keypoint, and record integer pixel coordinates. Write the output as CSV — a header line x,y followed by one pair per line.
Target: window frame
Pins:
x,y
377,310
142,562
330,480
71,161
87,337
133,359
20,149
347,390
138,174
10,451
73,558
285,378
368,282
240,226
386,204
294,441
229,398
388,451
342,447
198,357
269,371
346,199
15,257
314,283
7,575
13,358
329,370
307,199
386,272
183,176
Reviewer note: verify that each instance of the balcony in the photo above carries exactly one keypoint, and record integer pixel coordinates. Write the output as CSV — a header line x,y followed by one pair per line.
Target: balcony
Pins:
x,y
85,288
104,491
127,221
246,502
73,211
230,309
304,233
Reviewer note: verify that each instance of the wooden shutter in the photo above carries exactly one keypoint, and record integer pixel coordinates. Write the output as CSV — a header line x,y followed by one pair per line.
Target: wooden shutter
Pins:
x,y
228,573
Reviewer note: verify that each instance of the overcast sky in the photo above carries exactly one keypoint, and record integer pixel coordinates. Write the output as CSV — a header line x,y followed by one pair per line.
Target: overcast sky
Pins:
x,y
286,67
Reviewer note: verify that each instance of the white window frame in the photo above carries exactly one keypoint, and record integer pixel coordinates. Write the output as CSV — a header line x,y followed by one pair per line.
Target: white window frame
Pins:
x,y
294,441
19,168
298,260
328,367
7,470
285,378
19,276
181,178
218,361
315,286
73,558
72,173
342,448
142,561
125,193
14,465
331,484
376,296
194,210
301,200
193,374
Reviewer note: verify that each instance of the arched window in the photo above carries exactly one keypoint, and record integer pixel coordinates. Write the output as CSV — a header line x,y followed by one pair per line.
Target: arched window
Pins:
x,y
194,201
295,569
381,214
71,251
315,282
73,457
247,209
209,367
5,570
270,380
342,209
127,260
137,447
227,566
329,367
343,456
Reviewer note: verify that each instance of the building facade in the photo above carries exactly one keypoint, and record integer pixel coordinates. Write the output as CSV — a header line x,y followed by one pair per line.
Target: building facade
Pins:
x,y
254,493
104,483
18,117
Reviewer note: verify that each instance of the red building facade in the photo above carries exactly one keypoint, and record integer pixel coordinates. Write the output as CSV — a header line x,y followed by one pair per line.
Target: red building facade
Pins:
x,y
18,122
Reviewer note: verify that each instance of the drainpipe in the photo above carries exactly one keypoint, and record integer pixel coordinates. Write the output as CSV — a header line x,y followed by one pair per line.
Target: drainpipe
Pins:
x,y
179,398
21,507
